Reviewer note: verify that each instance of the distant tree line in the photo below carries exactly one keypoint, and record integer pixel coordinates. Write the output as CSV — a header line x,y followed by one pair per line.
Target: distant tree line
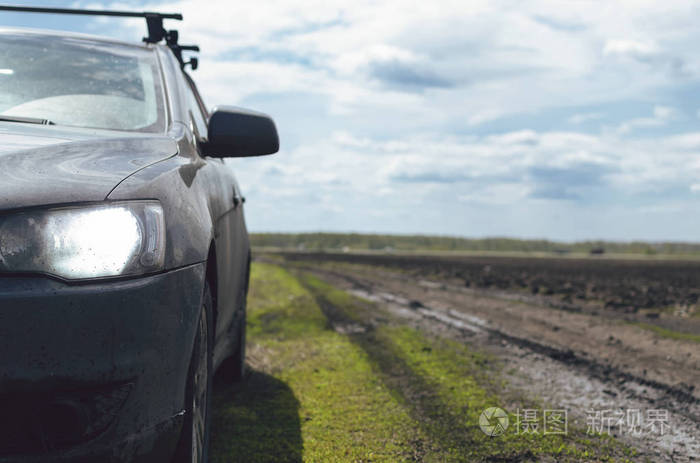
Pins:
x,y
359,242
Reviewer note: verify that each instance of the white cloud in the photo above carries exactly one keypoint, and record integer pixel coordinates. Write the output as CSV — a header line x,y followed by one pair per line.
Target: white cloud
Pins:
x,y
444,182
580,118
630,48
495,59
459,117
483,116
662,115
503,162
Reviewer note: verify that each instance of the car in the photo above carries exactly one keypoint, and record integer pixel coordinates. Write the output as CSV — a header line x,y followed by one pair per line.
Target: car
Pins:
x,y
124,254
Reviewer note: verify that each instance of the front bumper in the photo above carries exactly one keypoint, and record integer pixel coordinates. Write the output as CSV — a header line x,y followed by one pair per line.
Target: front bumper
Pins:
x,y
110,356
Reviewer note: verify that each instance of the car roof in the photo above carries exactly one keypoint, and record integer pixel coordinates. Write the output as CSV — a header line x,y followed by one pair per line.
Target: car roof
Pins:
x,y
65,34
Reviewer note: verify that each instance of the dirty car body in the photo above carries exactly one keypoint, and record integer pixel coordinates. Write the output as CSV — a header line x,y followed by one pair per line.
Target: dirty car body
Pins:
x,y
117,210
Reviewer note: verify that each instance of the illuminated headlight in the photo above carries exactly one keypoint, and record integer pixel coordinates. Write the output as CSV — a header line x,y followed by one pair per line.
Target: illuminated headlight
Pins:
x,y
114,239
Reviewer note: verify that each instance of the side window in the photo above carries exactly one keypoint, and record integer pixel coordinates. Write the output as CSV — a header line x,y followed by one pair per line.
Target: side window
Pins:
x,y
199,120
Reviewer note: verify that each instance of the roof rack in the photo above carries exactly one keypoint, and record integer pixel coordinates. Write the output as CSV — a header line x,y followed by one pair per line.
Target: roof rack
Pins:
x,y
154,22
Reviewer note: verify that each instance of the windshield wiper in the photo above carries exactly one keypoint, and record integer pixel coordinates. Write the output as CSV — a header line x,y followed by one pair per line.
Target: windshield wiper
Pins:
x,y
26,120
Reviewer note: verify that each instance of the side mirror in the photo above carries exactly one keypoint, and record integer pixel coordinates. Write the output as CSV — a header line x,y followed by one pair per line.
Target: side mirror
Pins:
x,y
237,132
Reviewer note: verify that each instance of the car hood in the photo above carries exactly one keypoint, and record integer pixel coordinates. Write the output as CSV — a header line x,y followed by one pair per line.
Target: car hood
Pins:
x,y
42,165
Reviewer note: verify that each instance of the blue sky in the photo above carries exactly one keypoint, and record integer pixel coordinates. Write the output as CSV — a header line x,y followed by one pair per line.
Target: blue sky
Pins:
x,y
559,120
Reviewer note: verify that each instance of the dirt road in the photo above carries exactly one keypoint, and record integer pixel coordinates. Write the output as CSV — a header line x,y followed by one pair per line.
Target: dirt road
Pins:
x,y
604,366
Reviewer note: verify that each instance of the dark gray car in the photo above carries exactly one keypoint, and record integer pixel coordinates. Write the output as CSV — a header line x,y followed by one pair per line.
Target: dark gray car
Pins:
x,y
124,255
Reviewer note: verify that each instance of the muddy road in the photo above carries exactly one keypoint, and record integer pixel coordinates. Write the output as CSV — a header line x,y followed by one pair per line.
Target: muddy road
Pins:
x,y
611,342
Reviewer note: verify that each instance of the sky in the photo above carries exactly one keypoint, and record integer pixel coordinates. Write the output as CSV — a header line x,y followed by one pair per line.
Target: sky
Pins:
x,y
559,120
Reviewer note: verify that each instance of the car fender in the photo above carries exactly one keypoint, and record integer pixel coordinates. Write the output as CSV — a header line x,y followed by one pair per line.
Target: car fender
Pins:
x,y
192,196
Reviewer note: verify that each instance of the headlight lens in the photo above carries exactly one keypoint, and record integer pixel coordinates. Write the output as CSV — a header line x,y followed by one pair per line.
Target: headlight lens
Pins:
x,y
85,242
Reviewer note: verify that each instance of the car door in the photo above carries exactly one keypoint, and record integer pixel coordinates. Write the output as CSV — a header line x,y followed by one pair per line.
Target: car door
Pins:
x,y
226,204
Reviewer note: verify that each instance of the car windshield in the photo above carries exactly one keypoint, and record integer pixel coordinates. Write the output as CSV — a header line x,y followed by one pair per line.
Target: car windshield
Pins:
x,y
80,82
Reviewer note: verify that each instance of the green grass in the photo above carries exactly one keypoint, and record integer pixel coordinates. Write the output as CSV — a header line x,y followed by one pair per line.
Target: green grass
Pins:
x,y
319,397
360,241
666,333
388,393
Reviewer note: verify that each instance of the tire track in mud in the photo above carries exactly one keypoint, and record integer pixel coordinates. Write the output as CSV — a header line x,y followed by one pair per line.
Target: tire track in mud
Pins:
x,y
473,324
445,429
605,373
568,356
600,381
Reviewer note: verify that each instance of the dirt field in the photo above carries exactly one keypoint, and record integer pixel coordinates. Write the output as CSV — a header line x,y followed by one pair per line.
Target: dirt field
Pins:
x,y
613,344
627,286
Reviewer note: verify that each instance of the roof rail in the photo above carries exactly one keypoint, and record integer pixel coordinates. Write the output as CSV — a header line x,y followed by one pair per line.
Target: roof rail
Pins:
x,y
154,22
